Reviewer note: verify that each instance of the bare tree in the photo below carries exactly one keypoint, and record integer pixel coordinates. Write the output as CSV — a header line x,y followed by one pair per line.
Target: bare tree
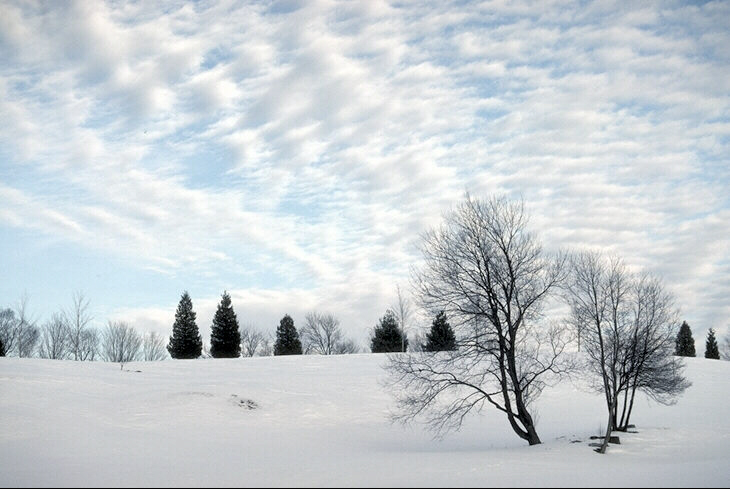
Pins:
x,y
7,329
725,353
320,334
55,340
402,310
628,327
89,345
252,341
120,343
26,334
153,347
78,319
490,275
346,347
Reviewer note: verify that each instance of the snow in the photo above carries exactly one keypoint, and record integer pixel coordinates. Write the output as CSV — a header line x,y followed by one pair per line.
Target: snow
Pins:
x,y
323,421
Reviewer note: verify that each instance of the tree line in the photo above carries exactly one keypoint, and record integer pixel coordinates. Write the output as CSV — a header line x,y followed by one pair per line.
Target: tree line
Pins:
x,y
321,334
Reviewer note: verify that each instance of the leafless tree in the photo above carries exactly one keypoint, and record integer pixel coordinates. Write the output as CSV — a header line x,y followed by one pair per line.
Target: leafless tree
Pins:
x,y
489,274
320,334
55,340
252,341
120,343
78,320
266,349
153,347
402,310
346,347
89,346
725,353
25,334
7,329
628,327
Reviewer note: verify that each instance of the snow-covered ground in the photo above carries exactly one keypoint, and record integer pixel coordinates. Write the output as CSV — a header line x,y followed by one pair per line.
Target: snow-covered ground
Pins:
x,y
323,421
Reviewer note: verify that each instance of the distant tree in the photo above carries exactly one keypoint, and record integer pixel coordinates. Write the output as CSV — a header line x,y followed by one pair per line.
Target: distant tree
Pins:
x,y
185,342
2,347
685,342
441,337
55,338
346,347
225,338
287,338
77,320
252,341
89,345
726,347
402,312
712,351
26,333
153,347
7,329
388,336
120,343
322,335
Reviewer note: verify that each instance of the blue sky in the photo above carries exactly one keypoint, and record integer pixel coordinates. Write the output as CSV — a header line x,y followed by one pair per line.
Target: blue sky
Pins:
x,y
291,152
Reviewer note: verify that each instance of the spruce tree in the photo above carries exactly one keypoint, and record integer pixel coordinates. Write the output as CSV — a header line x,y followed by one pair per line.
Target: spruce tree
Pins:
x,y
441,337
185,342
287,338
225,338
685,342
712,351
387,336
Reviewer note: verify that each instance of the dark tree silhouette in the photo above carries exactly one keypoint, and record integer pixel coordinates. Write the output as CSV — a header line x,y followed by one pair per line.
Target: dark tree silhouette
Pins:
x,y
225,338
388,337
685,342
287,338
712,351
185,342
441,337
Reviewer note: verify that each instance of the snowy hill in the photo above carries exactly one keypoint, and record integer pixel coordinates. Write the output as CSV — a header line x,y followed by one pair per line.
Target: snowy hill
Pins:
x,y
323,421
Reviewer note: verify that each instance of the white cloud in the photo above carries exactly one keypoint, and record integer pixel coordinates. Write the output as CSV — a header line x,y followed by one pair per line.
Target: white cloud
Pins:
x,y
318,140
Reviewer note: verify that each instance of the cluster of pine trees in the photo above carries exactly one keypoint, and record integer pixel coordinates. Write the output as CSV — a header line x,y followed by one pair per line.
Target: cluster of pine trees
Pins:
x,y
686,343
225,337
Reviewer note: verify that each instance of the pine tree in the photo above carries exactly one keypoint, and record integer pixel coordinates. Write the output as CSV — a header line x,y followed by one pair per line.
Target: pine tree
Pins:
x,y
685,342
185,342
225,338
287,338
441,337
712,351
388,337
2,348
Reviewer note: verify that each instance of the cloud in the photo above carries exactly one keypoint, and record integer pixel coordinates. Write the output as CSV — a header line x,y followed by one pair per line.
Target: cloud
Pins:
x,y
293,152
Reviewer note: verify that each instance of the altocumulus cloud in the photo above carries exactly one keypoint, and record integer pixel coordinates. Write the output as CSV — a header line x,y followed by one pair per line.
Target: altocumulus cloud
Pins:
x,y
292,151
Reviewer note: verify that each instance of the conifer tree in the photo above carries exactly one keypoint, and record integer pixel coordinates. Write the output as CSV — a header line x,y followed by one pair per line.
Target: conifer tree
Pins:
x,y
2,348
387,336
441,337
712,351
225,338
685,342
185,342
287,338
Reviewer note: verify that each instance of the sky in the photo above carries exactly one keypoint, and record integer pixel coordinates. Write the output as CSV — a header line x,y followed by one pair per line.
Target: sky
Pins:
x,y
293,152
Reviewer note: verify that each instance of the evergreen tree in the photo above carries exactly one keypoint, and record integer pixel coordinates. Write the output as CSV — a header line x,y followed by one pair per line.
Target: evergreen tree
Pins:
x,y
2,348
712,351
185,342
225,338
287,338
441,337
388,337
685,342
